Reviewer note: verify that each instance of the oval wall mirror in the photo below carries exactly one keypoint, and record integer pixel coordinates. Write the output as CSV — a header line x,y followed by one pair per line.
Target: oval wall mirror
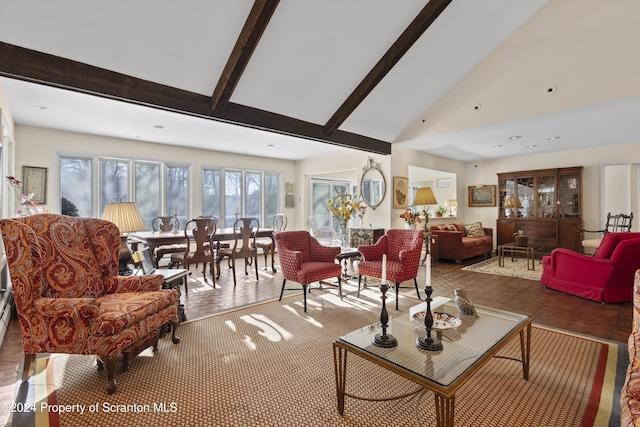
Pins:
x,y
372,184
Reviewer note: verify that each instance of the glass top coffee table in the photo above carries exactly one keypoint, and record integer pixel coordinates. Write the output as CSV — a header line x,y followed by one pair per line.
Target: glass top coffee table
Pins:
x,y
466,349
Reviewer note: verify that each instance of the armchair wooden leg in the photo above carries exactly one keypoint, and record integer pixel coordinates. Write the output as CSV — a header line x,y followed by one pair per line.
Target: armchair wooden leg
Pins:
x,y
415,281
282,291
109,362
397,293
359,281
174,325
340,287
28,367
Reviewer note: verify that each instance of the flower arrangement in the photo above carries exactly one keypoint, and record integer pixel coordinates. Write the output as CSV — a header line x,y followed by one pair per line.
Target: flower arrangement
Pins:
x,y
29,206
410,217
343,207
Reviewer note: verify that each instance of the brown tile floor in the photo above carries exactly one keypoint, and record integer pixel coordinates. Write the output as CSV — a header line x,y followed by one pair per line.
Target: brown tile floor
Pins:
x,y
544,306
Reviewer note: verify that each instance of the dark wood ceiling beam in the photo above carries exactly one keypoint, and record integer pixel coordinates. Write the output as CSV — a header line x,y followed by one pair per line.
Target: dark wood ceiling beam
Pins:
x,y
37,67
254,26
411,34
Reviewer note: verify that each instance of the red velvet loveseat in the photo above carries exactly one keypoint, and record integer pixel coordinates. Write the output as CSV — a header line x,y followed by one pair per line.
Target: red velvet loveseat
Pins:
x,y
458,244
606,276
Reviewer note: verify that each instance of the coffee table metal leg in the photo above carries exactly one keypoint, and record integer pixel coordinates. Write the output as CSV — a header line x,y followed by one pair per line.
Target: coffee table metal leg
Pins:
x,y
444,410
340,369
525,350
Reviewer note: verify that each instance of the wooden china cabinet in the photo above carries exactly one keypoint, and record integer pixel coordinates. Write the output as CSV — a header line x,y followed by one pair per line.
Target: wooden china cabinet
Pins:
x,y
546,204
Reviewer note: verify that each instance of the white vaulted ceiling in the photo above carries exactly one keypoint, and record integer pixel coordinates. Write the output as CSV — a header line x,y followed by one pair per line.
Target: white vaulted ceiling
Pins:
x,y
480,73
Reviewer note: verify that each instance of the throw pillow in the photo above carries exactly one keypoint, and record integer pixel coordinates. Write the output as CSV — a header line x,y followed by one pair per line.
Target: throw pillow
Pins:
x,y
460,227
451,227
475,230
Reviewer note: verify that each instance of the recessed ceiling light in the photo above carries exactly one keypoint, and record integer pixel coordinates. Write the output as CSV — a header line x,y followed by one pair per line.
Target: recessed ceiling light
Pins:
x,y
496,146
42,107
515,137
158,126
270,145
531,146
551,138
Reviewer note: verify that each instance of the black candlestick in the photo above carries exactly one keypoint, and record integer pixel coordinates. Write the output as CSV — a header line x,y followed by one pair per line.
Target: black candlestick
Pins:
x,y
428,343
384,340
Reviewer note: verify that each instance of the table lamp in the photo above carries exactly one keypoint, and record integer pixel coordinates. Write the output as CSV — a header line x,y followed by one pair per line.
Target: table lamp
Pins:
x,y
424,196
126,216
452,203
512,204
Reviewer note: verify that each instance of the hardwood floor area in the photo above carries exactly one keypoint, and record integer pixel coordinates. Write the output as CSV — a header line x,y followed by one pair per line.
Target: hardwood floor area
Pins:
x,y
543,306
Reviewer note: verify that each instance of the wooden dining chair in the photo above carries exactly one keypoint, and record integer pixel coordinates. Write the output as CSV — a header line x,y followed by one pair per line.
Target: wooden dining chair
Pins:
x,y
266,244
197,233
166,223
244,246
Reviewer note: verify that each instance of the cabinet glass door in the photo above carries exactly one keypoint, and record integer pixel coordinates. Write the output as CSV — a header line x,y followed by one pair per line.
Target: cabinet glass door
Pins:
x,y
507,198
569,196
546,197
525,197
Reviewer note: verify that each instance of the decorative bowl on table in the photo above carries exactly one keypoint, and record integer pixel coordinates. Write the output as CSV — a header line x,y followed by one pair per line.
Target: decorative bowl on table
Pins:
x,y
440,320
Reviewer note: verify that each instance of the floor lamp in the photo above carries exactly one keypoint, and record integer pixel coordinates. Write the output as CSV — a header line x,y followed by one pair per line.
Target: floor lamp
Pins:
x,y
126,216
425,197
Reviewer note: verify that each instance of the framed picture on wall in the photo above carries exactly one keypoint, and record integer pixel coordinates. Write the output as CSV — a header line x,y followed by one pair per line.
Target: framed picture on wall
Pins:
x,y
34,180
400,192
482,196
289,198
443,182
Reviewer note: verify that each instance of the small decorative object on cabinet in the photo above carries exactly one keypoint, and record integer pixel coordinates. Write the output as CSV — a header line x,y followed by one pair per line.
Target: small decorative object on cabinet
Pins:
x,y
521,238
365,236
545,204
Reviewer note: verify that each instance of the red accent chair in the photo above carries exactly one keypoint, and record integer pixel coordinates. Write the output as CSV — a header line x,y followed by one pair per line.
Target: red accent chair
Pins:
x,y
304,260
403,249
69,297
607,276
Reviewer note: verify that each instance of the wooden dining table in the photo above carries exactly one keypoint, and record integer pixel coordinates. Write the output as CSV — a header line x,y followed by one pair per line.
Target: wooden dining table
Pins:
x,y
158,238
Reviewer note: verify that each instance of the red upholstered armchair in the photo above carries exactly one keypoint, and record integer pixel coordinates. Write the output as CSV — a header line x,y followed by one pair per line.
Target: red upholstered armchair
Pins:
x,y
403,249
69,297
304,260
607,276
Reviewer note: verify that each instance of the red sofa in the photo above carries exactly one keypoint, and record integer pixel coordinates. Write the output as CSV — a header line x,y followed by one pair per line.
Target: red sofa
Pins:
x,y
606,276
457,245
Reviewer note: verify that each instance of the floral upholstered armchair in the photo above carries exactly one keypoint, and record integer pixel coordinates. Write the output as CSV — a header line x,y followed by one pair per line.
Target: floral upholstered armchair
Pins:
x,y
69,297
403,249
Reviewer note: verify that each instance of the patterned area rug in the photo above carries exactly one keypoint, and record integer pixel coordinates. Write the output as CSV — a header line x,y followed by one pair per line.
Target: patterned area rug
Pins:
x,y
516,268
270,364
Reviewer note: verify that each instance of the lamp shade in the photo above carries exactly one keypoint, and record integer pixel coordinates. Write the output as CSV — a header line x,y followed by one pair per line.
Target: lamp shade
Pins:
x,y
424,196
452,202
125,215
512,203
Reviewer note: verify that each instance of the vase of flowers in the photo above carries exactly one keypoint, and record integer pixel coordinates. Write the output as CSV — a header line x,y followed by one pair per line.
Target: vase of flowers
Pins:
x,y
410,218
27,205
344,207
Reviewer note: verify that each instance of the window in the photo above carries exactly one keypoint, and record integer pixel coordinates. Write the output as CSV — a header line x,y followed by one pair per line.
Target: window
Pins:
x,y
76,186
321,191
252,200
211,193
147,184
228,194
87,184
178,192
114,183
